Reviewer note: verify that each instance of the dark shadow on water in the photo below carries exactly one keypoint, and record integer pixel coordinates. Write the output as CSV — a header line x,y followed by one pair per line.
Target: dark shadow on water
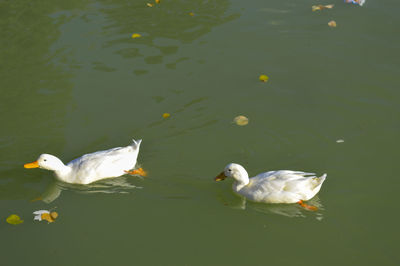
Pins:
x,y
119,185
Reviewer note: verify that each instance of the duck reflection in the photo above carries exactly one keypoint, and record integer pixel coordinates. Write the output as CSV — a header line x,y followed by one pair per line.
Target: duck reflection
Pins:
x,y
112,185
288,210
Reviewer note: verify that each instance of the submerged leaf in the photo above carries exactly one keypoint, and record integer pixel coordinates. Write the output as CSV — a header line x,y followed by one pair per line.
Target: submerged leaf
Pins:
x,y
166,115
157,1
241,120
191,14
14,219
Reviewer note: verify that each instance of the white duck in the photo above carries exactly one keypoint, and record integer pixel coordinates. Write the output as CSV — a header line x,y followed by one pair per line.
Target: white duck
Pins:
x,y
93,166
282,186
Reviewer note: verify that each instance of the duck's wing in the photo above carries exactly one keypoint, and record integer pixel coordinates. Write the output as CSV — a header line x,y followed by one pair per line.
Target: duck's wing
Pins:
x,y
281,176
112,162
111,155
283,186
290,175
102,164
100,156
283,181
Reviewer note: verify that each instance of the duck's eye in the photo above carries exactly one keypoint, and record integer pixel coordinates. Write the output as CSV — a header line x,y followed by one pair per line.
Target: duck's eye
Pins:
x,y
45,160
229,170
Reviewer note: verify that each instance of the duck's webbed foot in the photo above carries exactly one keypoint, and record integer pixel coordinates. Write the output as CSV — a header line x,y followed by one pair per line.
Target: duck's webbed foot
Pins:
x,y
306,206
138,171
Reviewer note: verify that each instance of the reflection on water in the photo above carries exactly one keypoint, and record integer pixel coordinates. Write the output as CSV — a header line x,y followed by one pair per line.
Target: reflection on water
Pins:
x,y
288,210
163,28
111,185
35,89
170,21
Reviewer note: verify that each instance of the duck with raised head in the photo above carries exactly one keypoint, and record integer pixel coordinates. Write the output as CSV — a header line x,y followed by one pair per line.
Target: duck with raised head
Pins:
x,y
93,166
283,186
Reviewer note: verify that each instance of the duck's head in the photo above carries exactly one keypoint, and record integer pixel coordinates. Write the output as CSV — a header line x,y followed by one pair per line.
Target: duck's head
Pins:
x,y
46,161
233,170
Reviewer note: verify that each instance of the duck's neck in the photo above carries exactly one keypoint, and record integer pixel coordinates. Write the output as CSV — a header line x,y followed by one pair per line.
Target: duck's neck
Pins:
x,y
63,172
241,180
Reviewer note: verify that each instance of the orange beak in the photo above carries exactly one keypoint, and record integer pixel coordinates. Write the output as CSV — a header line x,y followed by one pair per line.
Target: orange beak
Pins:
x,y
220,177
35,164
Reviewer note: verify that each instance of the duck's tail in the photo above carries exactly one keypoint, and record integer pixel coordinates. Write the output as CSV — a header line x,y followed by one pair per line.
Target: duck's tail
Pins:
x,y
314,186
136,143
318,182
322,178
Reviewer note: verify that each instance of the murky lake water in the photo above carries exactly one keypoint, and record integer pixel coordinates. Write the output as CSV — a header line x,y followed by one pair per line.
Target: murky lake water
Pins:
x,y
73,81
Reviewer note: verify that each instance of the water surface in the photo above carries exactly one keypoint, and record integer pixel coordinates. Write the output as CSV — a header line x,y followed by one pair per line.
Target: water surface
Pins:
x,y
73,81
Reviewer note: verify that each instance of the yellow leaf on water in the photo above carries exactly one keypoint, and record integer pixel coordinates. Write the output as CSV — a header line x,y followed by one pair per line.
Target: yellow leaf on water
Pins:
x,y
150,5
263,78
332,24
191,14
14,219
166,115
136,35
241,120
157,1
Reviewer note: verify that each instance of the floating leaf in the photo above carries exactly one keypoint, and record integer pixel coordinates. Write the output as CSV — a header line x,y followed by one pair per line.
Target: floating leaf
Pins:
x,y
157,1
263,78
150,5
241,120
14,219
332,24
166,115
191,14
320,7
339,141
136,35
45,215
315,8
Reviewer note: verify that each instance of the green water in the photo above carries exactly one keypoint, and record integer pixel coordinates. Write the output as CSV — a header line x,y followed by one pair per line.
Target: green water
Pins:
x,y
73,81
